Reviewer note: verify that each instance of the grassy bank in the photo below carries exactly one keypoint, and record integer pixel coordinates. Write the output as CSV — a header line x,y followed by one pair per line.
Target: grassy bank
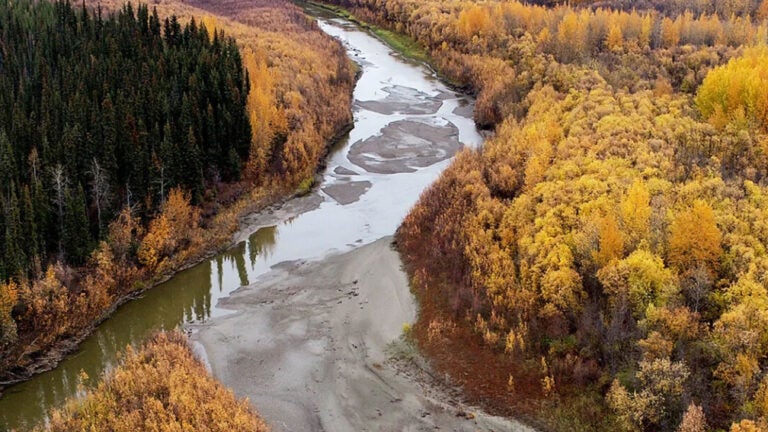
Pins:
x,y
403,44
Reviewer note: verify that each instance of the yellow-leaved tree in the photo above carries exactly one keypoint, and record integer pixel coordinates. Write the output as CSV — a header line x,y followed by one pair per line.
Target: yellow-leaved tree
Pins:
x,y
473,21
47,306
747,426
693,420
8,298
656,402
175,228
642,279
636,212
614,40
741,337
737,93
694,239
611,241
161,387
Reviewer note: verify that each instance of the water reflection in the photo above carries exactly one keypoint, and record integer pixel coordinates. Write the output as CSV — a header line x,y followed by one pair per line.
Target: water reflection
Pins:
x,y
188,297
262,243
259,246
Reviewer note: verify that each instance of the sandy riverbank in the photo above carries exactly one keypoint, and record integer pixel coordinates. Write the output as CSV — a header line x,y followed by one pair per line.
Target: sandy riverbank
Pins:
x,y
314,345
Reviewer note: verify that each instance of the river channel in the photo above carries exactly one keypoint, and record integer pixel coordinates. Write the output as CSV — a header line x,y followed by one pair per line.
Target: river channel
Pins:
x,y
407,127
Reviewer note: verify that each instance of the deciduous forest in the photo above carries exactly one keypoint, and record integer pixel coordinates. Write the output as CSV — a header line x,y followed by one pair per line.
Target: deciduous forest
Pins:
x,y
132,140
600,264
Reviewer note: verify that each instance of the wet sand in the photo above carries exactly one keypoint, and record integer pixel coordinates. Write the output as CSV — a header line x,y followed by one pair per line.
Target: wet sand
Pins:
x,y
403,100
467,111
314,346
275,214
406,145
347,193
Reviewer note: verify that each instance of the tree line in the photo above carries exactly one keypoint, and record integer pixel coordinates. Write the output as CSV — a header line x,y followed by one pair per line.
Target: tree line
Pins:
x,y
723,8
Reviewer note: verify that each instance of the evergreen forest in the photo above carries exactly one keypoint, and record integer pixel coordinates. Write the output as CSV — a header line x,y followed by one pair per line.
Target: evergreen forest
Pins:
x,y
102,112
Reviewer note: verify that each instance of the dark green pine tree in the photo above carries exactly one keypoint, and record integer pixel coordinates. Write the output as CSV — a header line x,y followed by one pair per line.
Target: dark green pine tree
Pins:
x,y
77,236
8,172
44,228
3,264
167,164
15,258
192,166
29,227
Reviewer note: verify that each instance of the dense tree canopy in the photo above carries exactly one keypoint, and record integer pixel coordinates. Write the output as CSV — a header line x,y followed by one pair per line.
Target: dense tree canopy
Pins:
x,y
724,8
737,94
99,113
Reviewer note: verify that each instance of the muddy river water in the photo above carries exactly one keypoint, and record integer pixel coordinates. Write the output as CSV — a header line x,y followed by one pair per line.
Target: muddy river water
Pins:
x,y
301,313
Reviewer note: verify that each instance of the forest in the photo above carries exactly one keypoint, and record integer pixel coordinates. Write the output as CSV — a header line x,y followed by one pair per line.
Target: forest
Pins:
x,y
133,139
600,263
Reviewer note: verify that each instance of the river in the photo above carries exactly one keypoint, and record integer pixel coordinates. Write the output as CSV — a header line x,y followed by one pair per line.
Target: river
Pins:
x,y
407,127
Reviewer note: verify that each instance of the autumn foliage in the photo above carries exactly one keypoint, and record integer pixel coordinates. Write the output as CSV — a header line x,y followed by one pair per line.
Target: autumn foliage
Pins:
x,y
621,256
723,8
159,387
632,48
300,84
603,253
737,94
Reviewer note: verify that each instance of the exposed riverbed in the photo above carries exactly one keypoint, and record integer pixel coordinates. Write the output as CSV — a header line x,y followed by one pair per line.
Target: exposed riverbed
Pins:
x,y
315,343
303,315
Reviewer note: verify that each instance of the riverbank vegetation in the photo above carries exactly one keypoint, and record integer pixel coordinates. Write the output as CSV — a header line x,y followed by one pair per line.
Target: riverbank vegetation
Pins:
x,y
724,8
132,140
600,264
401,43
160,386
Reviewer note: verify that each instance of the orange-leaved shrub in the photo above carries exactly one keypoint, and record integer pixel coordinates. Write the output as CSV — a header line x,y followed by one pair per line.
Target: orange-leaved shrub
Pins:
x,y
159,387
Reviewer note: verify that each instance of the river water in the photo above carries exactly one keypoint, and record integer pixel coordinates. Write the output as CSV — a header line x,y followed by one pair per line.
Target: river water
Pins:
x,y
407,126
